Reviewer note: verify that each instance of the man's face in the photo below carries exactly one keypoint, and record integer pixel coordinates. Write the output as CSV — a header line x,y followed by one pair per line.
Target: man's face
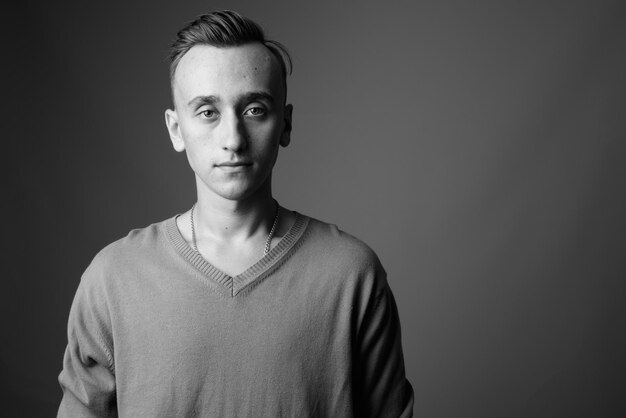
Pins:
x,y
229,117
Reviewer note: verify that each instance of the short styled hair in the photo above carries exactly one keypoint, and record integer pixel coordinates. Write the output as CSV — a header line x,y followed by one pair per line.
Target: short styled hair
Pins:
x,y
224,28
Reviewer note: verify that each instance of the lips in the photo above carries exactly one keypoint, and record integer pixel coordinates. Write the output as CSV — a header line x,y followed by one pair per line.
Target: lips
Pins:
x,y
234,164
234,167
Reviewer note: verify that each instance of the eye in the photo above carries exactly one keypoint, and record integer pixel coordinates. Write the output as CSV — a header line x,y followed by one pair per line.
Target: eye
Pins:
x,y
255,111
208,114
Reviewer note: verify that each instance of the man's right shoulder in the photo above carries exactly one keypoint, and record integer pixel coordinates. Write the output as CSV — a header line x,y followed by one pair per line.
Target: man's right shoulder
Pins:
x,y
129,252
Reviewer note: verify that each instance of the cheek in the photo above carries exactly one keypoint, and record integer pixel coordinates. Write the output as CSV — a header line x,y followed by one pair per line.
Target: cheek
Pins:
x,y
267,133
196,137
191,132
198,152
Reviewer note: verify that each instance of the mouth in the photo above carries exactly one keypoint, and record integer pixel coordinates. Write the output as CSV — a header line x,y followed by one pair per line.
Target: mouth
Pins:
x,y
234,166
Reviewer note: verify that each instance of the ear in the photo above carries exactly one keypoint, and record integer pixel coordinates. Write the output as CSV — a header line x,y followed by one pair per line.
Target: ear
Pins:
x,y
285,137
171,120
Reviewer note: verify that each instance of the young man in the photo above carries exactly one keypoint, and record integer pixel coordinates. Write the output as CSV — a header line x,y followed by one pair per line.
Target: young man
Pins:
x,y
238,307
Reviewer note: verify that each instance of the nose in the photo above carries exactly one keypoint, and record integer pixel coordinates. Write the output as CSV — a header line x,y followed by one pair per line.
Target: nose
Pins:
x,y
234,135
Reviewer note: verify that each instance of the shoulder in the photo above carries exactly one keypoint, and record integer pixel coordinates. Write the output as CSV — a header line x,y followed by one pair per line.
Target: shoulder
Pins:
x,y
341,250
344,263
338,240
134,243
128,253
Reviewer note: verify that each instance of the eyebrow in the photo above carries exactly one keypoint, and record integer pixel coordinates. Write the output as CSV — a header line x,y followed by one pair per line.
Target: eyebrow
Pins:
x,y
248,97
202,100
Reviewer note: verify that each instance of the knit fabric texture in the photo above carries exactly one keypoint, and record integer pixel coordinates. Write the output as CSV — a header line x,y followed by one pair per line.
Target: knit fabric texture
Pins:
x,y
310,330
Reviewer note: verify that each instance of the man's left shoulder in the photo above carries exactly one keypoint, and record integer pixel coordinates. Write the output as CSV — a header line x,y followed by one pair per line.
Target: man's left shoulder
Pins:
x,y
338,246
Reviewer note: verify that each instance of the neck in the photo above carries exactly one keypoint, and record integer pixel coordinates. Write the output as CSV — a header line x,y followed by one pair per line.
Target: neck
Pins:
x,y
222,219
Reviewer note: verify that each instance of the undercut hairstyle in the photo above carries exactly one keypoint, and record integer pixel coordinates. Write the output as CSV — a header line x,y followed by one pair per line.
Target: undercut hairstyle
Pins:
x,y
225,28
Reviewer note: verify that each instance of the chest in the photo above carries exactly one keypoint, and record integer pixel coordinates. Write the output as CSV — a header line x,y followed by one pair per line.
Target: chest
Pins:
x,y
280,317
244,345
233,259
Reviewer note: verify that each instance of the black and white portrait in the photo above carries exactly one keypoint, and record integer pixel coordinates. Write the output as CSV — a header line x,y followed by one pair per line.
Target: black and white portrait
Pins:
x,y
316,209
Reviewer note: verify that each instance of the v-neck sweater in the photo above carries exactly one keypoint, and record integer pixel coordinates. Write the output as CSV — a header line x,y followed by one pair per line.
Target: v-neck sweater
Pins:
x,y
310,330
234,284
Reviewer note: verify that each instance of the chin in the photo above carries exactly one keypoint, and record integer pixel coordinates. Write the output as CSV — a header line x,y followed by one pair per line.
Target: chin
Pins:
x,y
237,193
237,189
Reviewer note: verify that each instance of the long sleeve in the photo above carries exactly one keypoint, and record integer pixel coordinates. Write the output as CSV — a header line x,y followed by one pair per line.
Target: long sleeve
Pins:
x,y
87,378
383,390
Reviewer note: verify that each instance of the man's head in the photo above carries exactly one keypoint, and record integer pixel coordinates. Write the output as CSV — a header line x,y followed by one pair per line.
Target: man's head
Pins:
x,y
225,29
230,114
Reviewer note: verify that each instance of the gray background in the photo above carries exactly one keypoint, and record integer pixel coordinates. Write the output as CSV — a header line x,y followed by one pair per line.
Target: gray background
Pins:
x,y
478,147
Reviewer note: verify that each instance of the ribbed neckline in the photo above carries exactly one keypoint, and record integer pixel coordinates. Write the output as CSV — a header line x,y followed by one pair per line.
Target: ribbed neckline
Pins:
x,y
261,269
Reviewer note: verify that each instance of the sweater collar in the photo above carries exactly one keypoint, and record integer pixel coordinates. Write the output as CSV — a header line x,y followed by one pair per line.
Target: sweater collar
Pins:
x,y
253,274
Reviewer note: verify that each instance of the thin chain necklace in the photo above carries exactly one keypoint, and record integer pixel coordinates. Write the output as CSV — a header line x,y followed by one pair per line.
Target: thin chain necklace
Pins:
x,y
268,242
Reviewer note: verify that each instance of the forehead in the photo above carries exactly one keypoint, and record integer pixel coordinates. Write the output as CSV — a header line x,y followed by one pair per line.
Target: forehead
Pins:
x,y
227,72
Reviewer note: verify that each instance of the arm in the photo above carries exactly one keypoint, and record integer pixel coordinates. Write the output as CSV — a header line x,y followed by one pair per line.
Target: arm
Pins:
x,y
384,390
88,378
